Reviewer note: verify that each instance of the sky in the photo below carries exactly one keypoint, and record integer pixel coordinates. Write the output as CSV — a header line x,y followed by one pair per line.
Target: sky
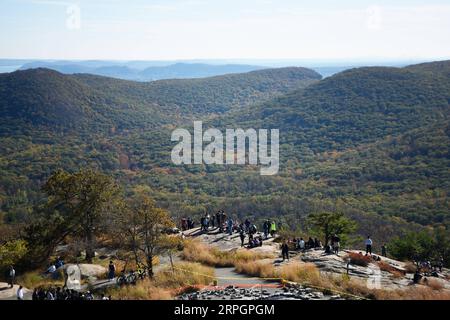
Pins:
x,y
231,29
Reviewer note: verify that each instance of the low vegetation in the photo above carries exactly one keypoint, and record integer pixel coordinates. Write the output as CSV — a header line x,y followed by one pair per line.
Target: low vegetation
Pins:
x,y
167,283
359,259
196,251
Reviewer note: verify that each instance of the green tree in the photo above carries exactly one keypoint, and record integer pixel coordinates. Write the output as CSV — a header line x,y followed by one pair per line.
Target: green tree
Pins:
x,y
325,224
422,246
78,204
144,227
11,252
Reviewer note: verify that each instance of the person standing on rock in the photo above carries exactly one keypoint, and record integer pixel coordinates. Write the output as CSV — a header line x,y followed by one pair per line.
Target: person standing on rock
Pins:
x,y
285,250
266,228
273,228
212,221
384,250
230,226
369,245
242,236
11,276
301,244
111,270
336,244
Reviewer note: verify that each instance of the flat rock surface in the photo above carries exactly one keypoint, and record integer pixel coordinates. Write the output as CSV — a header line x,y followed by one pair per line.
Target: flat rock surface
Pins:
x,y
7,293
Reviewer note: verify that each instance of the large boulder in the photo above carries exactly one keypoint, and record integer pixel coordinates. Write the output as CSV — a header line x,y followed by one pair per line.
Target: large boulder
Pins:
x,y
90,270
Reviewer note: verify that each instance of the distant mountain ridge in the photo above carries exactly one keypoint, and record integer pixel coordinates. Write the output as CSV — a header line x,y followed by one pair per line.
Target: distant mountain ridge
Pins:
x,y
150,73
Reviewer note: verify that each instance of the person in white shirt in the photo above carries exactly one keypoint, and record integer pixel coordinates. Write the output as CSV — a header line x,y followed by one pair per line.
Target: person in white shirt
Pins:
x,y
368,245
20,293
301,244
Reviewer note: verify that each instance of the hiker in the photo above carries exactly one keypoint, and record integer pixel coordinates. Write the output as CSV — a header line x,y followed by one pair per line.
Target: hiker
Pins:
x,y
111,270
369,245
317,243
441,263
273,229
223,220
50,295
212,221
184,224
230,226
59,263
190,223
242,236
266,226
247,225
11,276
20,293
310,243
301,244
417,277
260,239
202,223
252,229
383,250
51,269
218,220
35,295
336,244
285,250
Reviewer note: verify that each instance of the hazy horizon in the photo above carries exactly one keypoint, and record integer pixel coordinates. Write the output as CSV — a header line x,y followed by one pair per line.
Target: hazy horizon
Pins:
x,y
179,30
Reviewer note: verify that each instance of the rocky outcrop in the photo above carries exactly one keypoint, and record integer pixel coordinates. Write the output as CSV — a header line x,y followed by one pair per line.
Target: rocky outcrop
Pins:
x,y
90,270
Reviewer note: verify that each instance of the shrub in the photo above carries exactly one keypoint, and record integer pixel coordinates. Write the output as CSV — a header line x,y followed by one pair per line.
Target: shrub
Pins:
x,y
359,259
256,269
301,272
199,252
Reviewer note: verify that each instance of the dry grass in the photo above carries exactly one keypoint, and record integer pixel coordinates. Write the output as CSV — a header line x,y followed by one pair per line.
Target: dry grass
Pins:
x,y
384,266
198,252
35,279
143,290
166,283
434,284
184,274
413,293
301,272
256,269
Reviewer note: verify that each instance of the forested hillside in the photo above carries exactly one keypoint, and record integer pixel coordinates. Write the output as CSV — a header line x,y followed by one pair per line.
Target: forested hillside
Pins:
x,y
371,142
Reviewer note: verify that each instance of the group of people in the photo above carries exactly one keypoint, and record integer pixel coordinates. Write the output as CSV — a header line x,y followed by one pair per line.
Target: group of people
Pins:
x,y
332,246
299,244
227,224
59,293
427,268
187,224
249,229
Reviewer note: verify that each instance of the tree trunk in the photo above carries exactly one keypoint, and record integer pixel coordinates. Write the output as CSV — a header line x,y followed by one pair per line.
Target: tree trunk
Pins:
x,y
150,265
90,252
171,262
